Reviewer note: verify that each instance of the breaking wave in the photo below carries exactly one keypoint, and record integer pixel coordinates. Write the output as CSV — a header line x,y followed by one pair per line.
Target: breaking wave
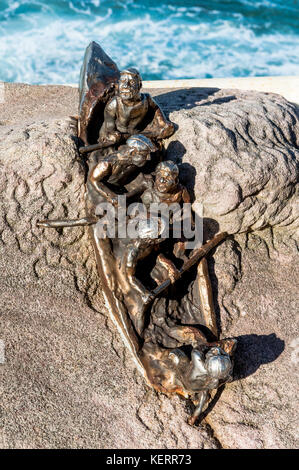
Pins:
x,y
45,42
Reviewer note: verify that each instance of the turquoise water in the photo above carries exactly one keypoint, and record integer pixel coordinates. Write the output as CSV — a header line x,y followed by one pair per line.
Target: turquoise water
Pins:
x,y
44,42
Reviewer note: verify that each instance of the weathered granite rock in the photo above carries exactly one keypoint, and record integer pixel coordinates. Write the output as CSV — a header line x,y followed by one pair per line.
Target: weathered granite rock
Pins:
x,y
258,302
243,150
68,380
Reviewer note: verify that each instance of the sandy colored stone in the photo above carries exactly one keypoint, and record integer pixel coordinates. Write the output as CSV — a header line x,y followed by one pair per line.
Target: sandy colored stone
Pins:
x,y
241,151
255,280
283,85
67,380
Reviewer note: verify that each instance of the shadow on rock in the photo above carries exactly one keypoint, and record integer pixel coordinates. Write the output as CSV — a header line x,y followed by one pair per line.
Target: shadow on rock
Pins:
x,y
225,99
254,351
185,98
175,151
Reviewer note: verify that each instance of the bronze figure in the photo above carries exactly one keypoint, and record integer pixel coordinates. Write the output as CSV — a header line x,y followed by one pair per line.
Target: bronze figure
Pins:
x,y
164,312
117,169
130,111
112,108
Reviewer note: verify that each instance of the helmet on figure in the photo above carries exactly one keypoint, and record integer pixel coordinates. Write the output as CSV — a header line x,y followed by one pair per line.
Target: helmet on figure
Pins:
x,y
167,166
141,143
218,363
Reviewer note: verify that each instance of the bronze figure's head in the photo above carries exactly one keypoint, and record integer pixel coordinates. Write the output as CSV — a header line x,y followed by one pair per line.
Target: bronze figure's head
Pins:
x,y
129,84
167,176
140,149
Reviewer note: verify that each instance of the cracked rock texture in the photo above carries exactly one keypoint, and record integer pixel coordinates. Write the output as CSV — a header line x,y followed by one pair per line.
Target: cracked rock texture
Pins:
x,y
67,380
243,151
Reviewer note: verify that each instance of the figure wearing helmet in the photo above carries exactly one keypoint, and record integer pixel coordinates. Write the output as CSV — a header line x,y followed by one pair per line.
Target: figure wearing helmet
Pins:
x,y
116,169
164,188
195,373
130,112
167,189
207,371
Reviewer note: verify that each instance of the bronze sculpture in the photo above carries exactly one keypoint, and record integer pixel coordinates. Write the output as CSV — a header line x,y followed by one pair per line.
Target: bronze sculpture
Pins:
x,y
130,111
118,168
165,315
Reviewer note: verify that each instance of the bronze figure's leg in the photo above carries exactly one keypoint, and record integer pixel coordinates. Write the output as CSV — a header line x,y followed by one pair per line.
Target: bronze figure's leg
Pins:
x,y
198,410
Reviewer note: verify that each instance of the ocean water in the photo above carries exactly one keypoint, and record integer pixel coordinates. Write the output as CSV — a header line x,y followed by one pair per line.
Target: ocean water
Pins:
x,y
44,42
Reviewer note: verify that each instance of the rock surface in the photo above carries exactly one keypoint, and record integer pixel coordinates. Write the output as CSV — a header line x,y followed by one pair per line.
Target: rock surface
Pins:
x,y
67,380
243,150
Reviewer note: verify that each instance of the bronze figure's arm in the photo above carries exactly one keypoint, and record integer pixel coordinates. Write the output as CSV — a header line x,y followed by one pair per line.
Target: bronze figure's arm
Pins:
x,y
101,145
163,127
108,132
100,171
194,258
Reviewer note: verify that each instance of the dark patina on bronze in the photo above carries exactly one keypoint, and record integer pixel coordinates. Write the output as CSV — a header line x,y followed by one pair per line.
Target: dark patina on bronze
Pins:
x,y
158,293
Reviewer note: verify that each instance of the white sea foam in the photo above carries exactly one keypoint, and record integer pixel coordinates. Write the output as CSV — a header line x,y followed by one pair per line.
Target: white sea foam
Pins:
x,y
50,48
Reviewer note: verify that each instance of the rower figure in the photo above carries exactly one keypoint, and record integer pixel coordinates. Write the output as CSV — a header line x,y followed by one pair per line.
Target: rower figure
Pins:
x,y
165,188
107,178
131,112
